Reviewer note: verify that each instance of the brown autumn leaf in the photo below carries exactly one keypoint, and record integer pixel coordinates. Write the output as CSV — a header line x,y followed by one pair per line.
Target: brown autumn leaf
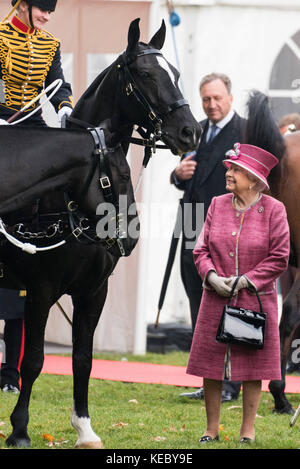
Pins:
x,y
234,407
182,428
119,424
2,435
158,438
171,429
60,442
48,437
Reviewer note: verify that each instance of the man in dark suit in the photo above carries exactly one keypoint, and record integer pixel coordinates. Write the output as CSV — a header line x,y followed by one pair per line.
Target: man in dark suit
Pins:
x,y
202,177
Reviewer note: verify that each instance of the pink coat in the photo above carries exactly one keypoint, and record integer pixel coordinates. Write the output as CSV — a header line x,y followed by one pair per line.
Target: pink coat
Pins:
x,y
256,244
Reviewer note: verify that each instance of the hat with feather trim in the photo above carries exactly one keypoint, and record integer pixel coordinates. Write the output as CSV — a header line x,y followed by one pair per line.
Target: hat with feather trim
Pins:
x,y
253,159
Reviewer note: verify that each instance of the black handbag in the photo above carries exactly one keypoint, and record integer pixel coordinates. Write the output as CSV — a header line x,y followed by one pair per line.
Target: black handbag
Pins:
x,y
242,326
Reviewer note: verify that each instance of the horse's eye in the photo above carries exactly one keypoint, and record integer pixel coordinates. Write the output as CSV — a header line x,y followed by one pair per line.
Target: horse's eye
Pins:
x,y
144,74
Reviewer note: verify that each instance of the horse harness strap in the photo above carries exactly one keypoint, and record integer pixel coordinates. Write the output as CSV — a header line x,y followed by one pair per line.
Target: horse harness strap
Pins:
x,y
78,222
105,178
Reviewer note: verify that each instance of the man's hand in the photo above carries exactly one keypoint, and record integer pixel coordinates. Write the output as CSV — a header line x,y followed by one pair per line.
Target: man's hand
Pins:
x,y
186,168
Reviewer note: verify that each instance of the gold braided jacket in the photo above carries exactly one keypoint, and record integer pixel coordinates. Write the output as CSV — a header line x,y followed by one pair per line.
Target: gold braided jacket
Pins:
x,y
29,59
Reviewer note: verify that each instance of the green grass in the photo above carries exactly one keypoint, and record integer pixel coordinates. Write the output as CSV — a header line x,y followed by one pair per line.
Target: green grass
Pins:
x,y
156,417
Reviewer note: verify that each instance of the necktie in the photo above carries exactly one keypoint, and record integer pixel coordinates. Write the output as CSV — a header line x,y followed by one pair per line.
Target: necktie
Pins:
x,y
213,132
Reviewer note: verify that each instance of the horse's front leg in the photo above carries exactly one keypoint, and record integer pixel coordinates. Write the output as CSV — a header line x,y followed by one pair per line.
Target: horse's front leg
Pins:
x,y
85,319
35,322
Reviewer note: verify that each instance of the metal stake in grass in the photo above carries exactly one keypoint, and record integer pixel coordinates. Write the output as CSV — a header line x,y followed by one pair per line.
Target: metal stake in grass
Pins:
x,y
295,416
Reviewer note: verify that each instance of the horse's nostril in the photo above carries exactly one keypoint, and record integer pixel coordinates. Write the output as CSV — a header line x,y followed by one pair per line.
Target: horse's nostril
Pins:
x,y
189,135
188,132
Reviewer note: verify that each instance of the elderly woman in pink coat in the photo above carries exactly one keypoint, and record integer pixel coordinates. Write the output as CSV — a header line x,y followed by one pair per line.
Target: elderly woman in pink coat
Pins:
x,y
245,234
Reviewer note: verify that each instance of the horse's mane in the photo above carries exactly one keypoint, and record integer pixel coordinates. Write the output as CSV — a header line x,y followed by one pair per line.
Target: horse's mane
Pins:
x,y
90,91
262,130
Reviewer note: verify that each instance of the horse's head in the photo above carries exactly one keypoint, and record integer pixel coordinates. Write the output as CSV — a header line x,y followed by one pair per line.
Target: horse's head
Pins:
x,y
153,99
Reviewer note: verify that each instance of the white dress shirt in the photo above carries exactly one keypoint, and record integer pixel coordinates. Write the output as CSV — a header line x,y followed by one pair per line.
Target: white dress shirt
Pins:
x,y
220,124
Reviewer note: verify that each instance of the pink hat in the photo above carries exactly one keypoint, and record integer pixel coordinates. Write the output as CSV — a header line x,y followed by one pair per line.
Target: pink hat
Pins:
x,y
257,161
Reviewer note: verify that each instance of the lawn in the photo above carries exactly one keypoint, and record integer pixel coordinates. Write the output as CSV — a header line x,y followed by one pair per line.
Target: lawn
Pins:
x,y
142,416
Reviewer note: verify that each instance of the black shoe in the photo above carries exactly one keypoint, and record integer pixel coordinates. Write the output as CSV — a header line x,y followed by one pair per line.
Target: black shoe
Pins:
x,y
208,439
199,394
10,388
247,440
228,396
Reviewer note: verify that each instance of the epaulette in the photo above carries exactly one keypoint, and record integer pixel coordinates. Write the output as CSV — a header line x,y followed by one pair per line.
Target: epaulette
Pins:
x,y
48,35
4,26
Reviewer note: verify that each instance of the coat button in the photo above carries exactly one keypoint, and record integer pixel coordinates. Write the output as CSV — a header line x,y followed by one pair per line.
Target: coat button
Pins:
x,y
231,254
233,233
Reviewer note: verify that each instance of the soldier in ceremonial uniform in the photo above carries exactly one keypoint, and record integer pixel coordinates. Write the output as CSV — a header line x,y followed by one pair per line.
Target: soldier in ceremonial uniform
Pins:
x,y
30,60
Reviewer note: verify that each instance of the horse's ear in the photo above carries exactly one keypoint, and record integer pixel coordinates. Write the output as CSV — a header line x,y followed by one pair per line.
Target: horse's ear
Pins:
x,y
159,37
133,34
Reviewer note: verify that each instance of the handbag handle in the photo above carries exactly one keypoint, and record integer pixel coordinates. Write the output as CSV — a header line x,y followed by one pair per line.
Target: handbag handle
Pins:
x,y
232,291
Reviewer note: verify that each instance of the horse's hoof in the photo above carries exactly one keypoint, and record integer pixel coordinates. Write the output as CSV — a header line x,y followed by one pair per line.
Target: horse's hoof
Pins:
x,y
284,410
90,445
11,441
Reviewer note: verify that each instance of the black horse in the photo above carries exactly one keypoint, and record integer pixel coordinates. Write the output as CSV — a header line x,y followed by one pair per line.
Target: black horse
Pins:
x,y
284,185
140,88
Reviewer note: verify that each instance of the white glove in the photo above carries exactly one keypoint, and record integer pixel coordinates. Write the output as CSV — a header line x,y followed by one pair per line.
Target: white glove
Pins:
x,y
3,122
64,111
219,284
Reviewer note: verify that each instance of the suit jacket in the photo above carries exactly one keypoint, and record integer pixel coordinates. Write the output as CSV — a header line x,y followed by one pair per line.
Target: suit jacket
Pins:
x,y
208,180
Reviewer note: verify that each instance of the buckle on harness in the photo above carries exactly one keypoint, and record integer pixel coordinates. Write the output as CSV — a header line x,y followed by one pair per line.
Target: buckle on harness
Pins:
x,y
77,232
152,115
129,89
105,182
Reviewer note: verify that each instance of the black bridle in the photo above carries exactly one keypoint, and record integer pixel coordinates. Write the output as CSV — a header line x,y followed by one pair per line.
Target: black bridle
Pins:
x,y
150,136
